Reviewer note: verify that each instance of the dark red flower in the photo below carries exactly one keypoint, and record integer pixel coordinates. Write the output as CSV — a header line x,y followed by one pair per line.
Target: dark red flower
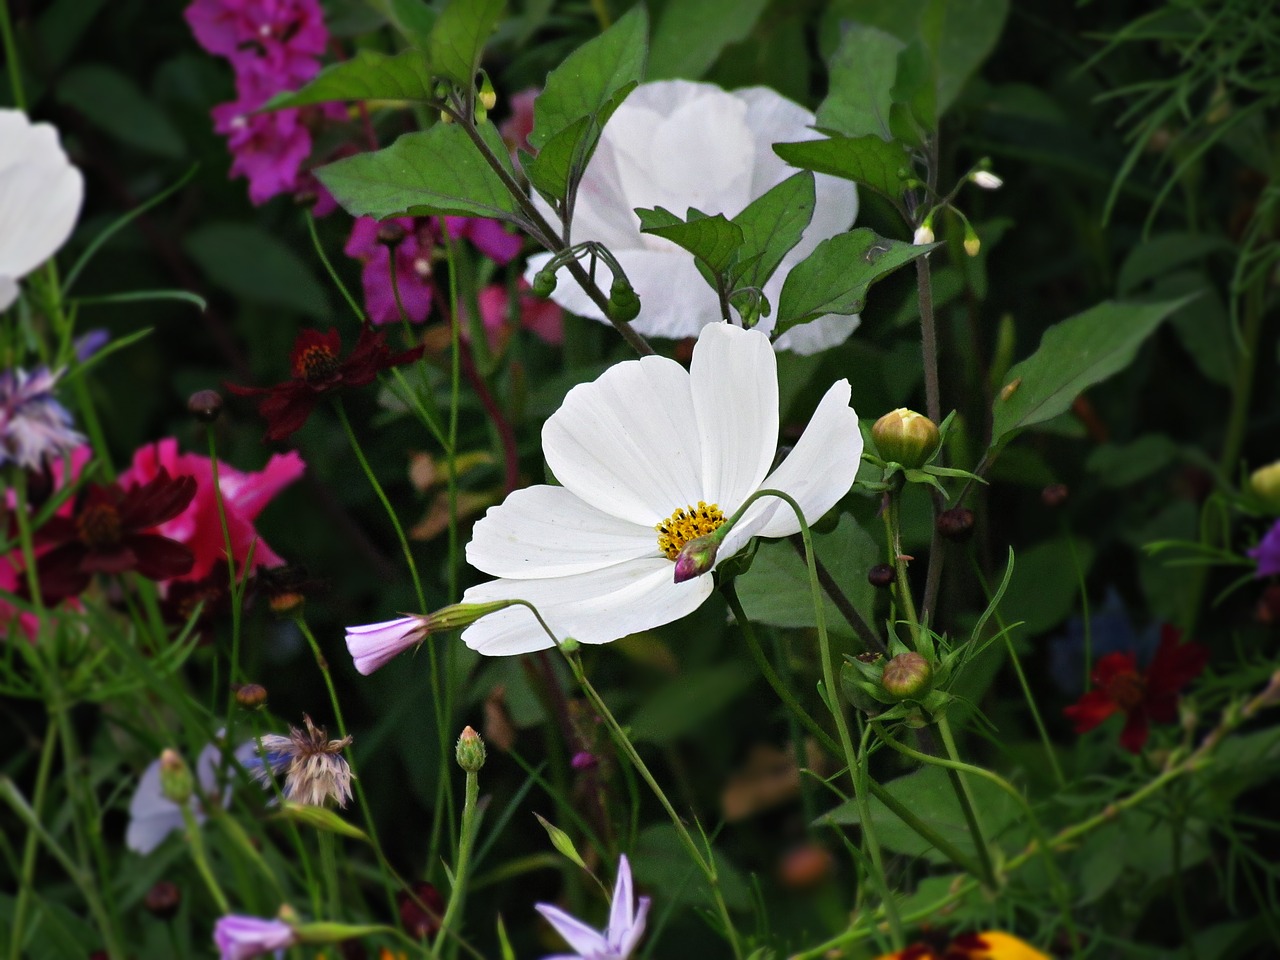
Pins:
x,y
110,531
421,907
1142,696
317,370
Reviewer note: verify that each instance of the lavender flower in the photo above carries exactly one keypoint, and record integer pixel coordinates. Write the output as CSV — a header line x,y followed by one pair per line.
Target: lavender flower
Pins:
x,y
239,937
152,816
312,764
1267,553
619,939
374,644
34,427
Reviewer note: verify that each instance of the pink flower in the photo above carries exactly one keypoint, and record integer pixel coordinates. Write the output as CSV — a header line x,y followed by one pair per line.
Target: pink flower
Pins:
x,y
413,241
244,496
244,28
543,318
373,645
238,937
488,236
516,128
267,148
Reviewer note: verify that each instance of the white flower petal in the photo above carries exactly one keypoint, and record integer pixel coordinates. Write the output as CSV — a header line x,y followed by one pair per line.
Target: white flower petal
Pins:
x,y
817,335
622,910
821,467
152,816
595,607
40,195
547,531
734,377
627,443
8,291
576,933
627,943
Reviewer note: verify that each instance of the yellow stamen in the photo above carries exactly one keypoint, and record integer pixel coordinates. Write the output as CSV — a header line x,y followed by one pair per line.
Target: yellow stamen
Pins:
x,y
687,523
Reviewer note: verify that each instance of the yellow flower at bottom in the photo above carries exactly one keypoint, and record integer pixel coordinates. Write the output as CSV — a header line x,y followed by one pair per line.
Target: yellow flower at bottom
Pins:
x,y
988,945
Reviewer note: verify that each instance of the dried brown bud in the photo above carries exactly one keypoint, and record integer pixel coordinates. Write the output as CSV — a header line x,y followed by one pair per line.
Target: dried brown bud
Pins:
x,y
251,695
882,575
205,405
956,523
805,867
163,899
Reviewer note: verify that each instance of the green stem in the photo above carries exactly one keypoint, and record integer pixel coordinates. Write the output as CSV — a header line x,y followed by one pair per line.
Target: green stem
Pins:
x,y
11,56
26,884
466,840
964,794
195,840
901,583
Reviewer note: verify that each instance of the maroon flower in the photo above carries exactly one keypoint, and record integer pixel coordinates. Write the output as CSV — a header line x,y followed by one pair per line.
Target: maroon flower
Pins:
x,y
1142,696
317,371
421,907
110,531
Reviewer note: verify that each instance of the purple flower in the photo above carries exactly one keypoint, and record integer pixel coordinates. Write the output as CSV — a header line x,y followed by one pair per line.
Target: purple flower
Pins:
x,y
1267,553
488,236
239,937
626,924
34,427
372,243
374,644
236,29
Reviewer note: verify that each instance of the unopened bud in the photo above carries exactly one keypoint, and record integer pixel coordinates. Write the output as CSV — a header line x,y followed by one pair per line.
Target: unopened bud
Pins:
x,y
421,908
176,782
544,283
1265,484
882,575
446,116
251,695
956,523
470,751
972,245
906,675
923,234
390,234
584,760
487,97
986,180
624,305
906,437
205,405
163,899
569,645
696,557
306,198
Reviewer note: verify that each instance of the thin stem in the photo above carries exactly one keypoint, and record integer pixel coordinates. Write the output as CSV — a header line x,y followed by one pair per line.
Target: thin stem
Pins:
x,y
842,602
195,840
26,884
231,572
11,56
901,582
457,895
964,794
928,340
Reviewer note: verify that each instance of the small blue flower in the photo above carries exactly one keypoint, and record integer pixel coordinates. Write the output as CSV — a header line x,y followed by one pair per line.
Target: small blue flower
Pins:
x,y
34,427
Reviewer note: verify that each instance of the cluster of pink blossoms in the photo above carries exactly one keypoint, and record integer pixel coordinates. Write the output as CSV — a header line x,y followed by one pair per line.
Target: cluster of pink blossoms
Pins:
x,y
273,46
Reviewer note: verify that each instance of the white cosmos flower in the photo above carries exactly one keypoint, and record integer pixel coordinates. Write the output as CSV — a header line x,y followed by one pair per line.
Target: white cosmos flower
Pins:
x,y
643,441
677,144
40,195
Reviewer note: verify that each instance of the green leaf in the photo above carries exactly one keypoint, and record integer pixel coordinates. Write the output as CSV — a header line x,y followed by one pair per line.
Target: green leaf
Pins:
x,y
713,240
835,277
591,76
564,158
680,708
862,70
715,23
1121,465
1045,585
772,225
435,171
251,264
319,818
112,101
329,932
914,114
868,160
457,40
1161,254
776,588
561,841
1073,356
369,75
661,862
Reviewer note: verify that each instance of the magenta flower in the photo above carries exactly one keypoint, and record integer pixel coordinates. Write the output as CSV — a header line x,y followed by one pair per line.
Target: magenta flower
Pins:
x,y
244,496
238,937
1267,553
267,149
372,242
516,128
373,645
619,939
487,236
543,318
270,29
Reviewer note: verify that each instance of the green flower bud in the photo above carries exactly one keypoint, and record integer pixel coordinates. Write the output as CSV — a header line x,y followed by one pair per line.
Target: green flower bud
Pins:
x,y
487,97
696,557
176,782
624,305
907,675
1265,484
906,437
470,751
544,283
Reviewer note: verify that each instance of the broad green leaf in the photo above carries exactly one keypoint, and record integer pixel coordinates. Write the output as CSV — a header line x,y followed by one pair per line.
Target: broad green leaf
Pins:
x,y
868,160
863,70
680,708
715,23
1045,585
591,76
564,158
457,40
251,264
914,113
772,225
713,240
561,841
835,277
776,588
435,171
369,75
1161,254
1121,465
1073,356
112,102
319,818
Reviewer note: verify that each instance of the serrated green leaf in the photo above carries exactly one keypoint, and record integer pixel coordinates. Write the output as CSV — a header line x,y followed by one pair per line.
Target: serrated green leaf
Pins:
x,y
457,40
715,23
835,277
713,240
867,160
591,76
564,158
772,225
319,818
561,841
862,70
435,171
1073,356
369,75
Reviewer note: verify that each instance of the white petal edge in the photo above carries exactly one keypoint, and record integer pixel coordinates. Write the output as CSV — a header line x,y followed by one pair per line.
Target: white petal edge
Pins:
x,y
596,607
622,910
577,934
546,531
627,442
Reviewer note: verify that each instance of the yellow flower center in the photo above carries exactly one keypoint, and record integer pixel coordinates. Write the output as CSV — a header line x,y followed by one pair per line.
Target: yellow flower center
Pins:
x,y
687,523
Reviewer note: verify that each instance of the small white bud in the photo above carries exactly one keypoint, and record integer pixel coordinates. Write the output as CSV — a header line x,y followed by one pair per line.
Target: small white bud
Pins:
x,y
986,180
923,234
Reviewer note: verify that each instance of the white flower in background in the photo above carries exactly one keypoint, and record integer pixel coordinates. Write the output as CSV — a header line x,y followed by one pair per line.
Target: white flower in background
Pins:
x,y
153,816
649,445
677,144
40,196
626,924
